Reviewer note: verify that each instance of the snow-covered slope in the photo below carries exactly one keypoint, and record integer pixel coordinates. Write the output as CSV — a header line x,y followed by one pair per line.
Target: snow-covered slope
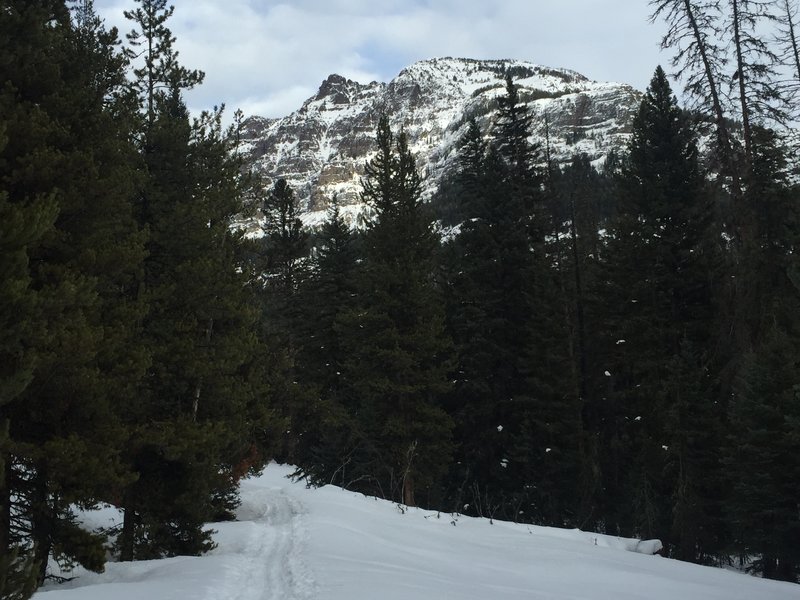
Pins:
x,y
321,148
291,543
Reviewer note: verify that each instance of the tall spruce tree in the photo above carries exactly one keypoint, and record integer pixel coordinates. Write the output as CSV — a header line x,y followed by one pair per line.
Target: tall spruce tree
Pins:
x,y
282,267
761,456
325,426
396,371
581,203
202,409
509,415
664,259
285,249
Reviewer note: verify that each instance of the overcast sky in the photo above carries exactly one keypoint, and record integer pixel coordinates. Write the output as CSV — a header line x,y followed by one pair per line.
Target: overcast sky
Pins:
x,y
267,57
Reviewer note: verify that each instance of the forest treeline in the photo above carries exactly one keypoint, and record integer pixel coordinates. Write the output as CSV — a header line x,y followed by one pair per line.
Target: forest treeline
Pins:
x,y
615,349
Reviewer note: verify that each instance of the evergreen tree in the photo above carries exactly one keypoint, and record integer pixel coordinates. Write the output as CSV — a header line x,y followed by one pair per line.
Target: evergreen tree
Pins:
x,y
763,464
281,265
285,248
68,130
512,139
510,416
663,259
582,201
202,410
396,370
326,426
21,225
761,456
151,44
287,241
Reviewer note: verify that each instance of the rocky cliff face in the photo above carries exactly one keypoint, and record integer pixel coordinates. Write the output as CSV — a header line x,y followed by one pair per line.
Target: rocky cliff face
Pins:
x,y
321,148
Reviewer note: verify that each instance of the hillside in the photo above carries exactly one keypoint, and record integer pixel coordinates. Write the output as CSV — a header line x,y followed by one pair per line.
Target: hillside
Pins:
x,y
293,543
322,147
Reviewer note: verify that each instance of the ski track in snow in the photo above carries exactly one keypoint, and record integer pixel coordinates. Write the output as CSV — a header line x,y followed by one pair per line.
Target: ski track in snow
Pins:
x,y
260,556
271,554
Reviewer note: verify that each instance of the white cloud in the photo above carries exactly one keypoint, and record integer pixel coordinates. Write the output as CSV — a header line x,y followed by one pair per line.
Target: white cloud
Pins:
x,y
261,55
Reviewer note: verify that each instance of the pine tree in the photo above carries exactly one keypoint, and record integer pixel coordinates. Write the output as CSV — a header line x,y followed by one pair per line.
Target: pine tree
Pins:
x,y
765,432
396,371
582,203
67,119
22,225
152,44
512,139
325,425
513,423
284,250
761,452
287,241
663,259
202,410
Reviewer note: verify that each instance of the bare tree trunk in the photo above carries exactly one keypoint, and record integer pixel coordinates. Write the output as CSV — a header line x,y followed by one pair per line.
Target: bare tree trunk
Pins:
x,y
792,37
127,537
716,105
740,66
5,506
199,387
408,490
408,477
41,524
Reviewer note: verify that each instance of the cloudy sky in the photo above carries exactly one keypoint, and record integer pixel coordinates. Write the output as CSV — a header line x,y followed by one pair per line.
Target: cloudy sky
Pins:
x,y
266,57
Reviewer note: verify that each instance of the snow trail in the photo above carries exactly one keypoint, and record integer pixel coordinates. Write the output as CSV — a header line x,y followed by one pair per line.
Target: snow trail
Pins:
x,y
293,543
271,563
260,556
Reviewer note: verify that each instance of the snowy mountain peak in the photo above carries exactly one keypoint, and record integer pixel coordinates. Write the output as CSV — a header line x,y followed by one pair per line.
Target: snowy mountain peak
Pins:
x,y
321,148
337,90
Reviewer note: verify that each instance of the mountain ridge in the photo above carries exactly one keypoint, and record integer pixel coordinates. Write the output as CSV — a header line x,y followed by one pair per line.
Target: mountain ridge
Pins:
x,y
322,147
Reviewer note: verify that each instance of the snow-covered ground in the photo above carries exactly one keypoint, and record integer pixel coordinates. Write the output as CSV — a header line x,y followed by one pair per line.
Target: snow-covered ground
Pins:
x,y
292,543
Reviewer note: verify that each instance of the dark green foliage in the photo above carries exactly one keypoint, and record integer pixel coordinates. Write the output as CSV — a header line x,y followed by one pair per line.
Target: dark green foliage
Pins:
x,y
280,264
763,438
205,384
202,408
67,129
286,240
580,203
489,318
396,365
326,296
763,461
513,130
151,40
663,261
517,424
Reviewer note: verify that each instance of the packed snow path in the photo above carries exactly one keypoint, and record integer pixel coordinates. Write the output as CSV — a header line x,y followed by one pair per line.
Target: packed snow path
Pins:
x,y
292,543
260,556
271,550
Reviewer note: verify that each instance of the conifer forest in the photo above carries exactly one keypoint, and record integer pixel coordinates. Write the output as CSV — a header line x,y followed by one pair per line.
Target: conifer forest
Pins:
x,y
611,348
